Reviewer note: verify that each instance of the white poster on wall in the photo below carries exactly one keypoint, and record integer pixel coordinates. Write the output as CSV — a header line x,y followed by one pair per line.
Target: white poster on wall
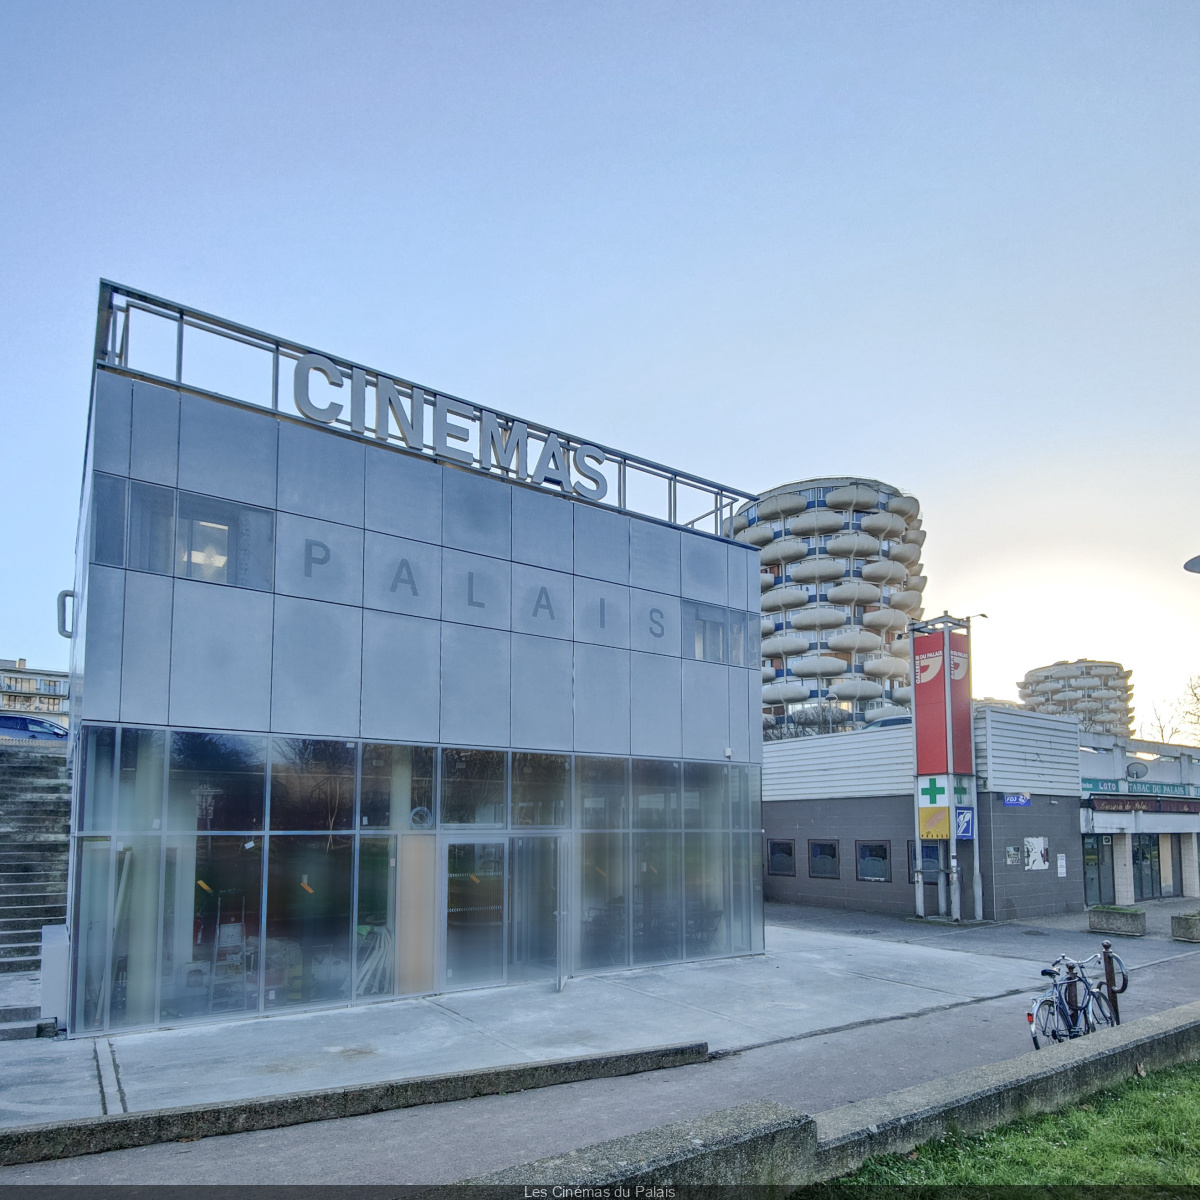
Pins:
x,y
1062,866
1037,854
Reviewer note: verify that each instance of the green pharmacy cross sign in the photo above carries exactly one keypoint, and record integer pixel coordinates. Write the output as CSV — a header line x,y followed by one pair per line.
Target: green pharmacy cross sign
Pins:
x,y
940,791
933,791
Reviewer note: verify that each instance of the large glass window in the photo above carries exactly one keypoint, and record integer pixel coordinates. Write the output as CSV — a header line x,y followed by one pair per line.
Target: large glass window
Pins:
x,y
474,913
307,957
222,542
217,781
134,940
397,787
312,784
781,857
704,800
822,861
151,528
601,793
741,893
210,926
739,797
739,639
705,632
657,897
541,790
655,794
140,782
90,937
705,894
96,787
604,904
375,930
108,520
473,787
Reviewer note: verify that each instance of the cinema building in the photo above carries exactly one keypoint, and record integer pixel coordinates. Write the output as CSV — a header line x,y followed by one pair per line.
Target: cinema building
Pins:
x,y
378,693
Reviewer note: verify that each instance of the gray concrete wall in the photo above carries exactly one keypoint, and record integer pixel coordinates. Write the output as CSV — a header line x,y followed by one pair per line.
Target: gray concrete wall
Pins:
x,y
878,818
1010,891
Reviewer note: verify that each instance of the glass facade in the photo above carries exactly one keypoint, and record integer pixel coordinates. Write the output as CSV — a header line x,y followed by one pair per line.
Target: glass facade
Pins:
x,y
222,874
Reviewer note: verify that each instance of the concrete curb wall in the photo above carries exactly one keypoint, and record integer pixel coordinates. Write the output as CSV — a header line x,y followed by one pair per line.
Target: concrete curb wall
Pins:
x,y
758,1143
769,1143
94,1135
984,1097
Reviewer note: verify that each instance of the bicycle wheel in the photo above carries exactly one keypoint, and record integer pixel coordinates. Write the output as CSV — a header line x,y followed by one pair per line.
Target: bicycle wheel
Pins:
x,y
1047,1023
1100,1014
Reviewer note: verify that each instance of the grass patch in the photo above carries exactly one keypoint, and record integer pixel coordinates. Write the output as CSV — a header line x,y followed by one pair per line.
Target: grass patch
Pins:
x,y
1145,1132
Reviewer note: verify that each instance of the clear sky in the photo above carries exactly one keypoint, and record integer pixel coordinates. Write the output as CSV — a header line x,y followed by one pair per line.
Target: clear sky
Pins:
x,y
954,246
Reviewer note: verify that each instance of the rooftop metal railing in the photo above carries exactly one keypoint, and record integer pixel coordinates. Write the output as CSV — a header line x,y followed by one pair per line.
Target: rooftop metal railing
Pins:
x,y
172,344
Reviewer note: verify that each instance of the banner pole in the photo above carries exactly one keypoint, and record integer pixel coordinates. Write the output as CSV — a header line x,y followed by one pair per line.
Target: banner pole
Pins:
x,y
918,854
952,842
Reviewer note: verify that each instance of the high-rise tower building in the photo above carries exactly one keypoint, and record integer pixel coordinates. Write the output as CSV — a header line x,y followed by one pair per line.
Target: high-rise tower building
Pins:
x,y
841,576
1098,694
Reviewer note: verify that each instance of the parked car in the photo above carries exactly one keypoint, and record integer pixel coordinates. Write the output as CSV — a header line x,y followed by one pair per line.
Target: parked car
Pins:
x,y
30,727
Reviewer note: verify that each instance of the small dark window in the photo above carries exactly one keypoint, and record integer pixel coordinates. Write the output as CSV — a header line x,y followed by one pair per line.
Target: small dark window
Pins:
x,y
108,520
781,858
931,862
222,542
823,860
874,861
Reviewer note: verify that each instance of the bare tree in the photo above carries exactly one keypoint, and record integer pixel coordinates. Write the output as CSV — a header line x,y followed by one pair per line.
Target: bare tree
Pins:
x,y
1163,724
1188,707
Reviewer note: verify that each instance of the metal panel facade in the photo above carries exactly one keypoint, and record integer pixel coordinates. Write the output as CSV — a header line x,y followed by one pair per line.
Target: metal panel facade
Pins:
x,y
1027,751
868,762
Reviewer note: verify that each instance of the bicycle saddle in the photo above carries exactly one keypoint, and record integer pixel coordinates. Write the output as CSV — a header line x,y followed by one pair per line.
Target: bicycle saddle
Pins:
x,y
1048,971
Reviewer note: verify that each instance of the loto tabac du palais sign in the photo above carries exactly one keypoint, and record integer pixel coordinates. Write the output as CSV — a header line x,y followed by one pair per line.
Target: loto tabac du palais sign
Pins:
x,y
503,442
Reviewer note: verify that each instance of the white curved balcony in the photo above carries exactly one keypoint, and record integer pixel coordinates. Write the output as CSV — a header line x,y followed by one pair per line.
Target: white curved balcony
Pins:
x,y
884,711
883,619
885,572
783,550
1067,695
818,666
906,602
854,496
768,674
756,535
884,525
902,552
817,570
915,583
817,616
904,506
856,689
781,644
885,666
782,598
854,640
785,693
915,537
854,591
815,522
902,695
785,504
852,545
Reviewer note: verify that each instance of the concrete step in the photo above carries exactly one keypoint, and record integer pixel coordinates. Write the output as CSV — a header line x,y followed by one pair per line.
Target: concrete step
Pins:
x,y
9,965
15,937
14,892
42,912
22,949
20,1012
12,1031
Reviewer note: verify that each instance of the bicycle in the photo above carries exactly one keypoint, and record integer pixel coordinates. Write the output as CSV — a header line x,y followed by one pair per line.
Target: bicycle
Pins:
x,y
1061,1012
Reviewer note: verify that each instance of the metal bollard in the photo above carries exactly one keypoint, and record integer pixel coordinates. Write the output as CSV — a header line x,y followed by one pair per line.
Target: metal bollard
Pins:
x,y
1110,982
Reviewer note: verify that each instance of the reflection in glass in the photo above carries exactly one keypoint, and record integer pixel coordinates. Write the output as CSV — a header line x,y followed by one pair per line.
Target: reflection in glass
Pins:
x,y
657,897
532,909
756,798
541,789
655,794
603,911
217,781
704,632
222,542
312,784
739,797
704,796
108,520
307,956
96,787
756,894
89,946
705,895
474,913
375,931
741,908
210,926
134,940
473,787
739,653
140,782
397,787
601,793
151,528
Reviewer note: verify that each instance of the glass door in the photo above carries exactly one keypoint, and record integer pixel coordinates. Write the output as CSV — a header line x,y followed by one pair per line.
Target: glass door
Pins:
x,y
1098,869
475,916
1147,878
534,894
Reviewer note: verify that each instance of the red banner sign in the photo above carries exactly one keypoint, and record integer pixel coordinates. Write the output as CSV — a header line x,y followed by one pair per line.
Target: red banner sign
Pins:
x,y
929,703
960,703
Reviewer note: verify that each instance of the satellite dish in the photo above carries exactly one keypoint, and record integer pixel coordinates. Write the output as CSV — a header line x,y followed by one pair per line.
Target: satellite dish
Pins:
x,y
1136,770
1193,565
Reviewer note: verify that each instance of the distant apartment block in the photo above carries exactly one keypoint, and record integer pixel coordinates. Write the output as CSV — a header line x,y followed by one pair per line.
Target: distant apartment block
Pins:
x,y
29,692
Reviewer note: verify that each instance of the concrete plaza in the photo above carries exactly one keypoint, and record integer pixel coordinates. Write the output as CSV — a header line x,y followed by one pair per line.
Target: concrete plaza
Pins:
x,y
842,1007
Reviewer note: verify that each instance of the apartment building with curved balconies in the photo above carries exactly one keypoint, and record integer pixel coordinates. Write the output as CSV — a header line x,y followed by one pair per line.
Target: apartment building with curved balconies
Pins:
x,y
1097,694
841,577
